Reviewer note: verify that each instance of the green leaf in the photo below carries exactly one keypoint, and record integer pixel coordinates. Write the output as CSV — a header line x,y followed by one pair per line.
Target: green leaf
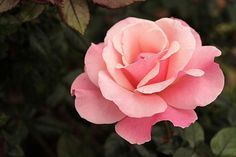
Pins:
x,y
68,146
76,14
224,142
116,3
3,119
30,11
194,134
15,151
184,152
8,24
7,4
232,117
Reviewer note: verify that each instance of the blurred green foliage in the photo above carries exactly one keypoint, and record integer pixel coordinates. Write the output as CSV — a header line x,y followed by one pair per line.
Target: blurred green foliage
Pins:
x,y
40,56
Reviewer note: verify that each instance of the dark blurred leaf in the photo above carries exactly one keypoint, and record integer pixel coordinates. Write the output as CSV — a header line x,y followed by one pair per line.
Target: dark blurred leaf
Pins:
x,y
76,14
3,119
8,24
143,152
15,151
59,93
29,11
115,146
68,146
224,142
115,3
203,150
185,152
7,4
50,125
194,134
232,117
164,138
52,1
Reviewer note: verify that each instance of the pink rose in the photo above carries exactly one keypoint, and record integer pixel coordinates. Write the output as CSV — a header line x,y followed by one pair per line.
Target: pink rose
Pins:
x,y
146,72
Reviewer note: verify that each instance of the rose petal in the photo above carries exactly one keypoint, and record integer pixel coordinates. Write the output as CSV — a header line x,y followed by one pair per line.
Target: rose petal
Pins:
x,y
156,87
112,58
178,117
195,34
202,57
175,31
94,62
190,91
174,48
137,70
135,130
143,37
120,26
138,130
130,103
91,105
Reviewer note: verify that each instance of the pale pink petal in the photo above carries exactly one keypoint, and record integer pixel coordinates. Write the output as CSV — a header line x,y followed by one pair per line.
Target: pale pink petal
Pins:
x,y
195,72
115,34
174,48
189,91
155,70
130,103
138,130
112,58
195,34
120,26
137,70
202,57
91,105
135,130
94,62
156,87
178,117
175,31
141,38
152,40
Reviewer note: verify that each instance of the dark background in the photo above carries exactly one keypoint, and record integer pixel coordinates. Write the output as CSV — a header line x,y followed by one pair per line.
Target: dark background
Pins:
x,y
40,58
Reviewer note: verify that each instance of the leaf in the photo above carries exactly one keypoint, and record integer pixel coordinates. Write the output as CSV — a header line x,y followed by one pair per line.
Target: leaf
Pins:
x,y
8,24
184,152
76,14
194,134
232,117
115,3
3,119
68,146
30,11
224,142
57,2
7,4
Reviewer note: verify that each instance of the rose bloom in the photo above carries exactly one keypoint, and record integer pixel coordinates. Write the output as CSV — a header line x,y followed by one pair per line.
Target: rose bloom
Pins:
x,y
146,72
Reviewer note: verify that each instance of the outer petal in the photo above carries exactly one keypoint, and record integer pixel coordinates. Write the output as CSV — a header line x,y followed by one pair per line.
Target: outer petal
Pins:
x,y
190,91
202,57
132,104
178,117
195,34
90,103
175,31
138,130
94,62
135,130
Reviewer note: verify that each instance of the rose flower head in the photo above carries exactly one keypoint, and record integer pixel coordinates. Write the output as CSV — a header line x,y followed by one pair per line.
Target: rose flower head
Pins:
x,y
146,72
